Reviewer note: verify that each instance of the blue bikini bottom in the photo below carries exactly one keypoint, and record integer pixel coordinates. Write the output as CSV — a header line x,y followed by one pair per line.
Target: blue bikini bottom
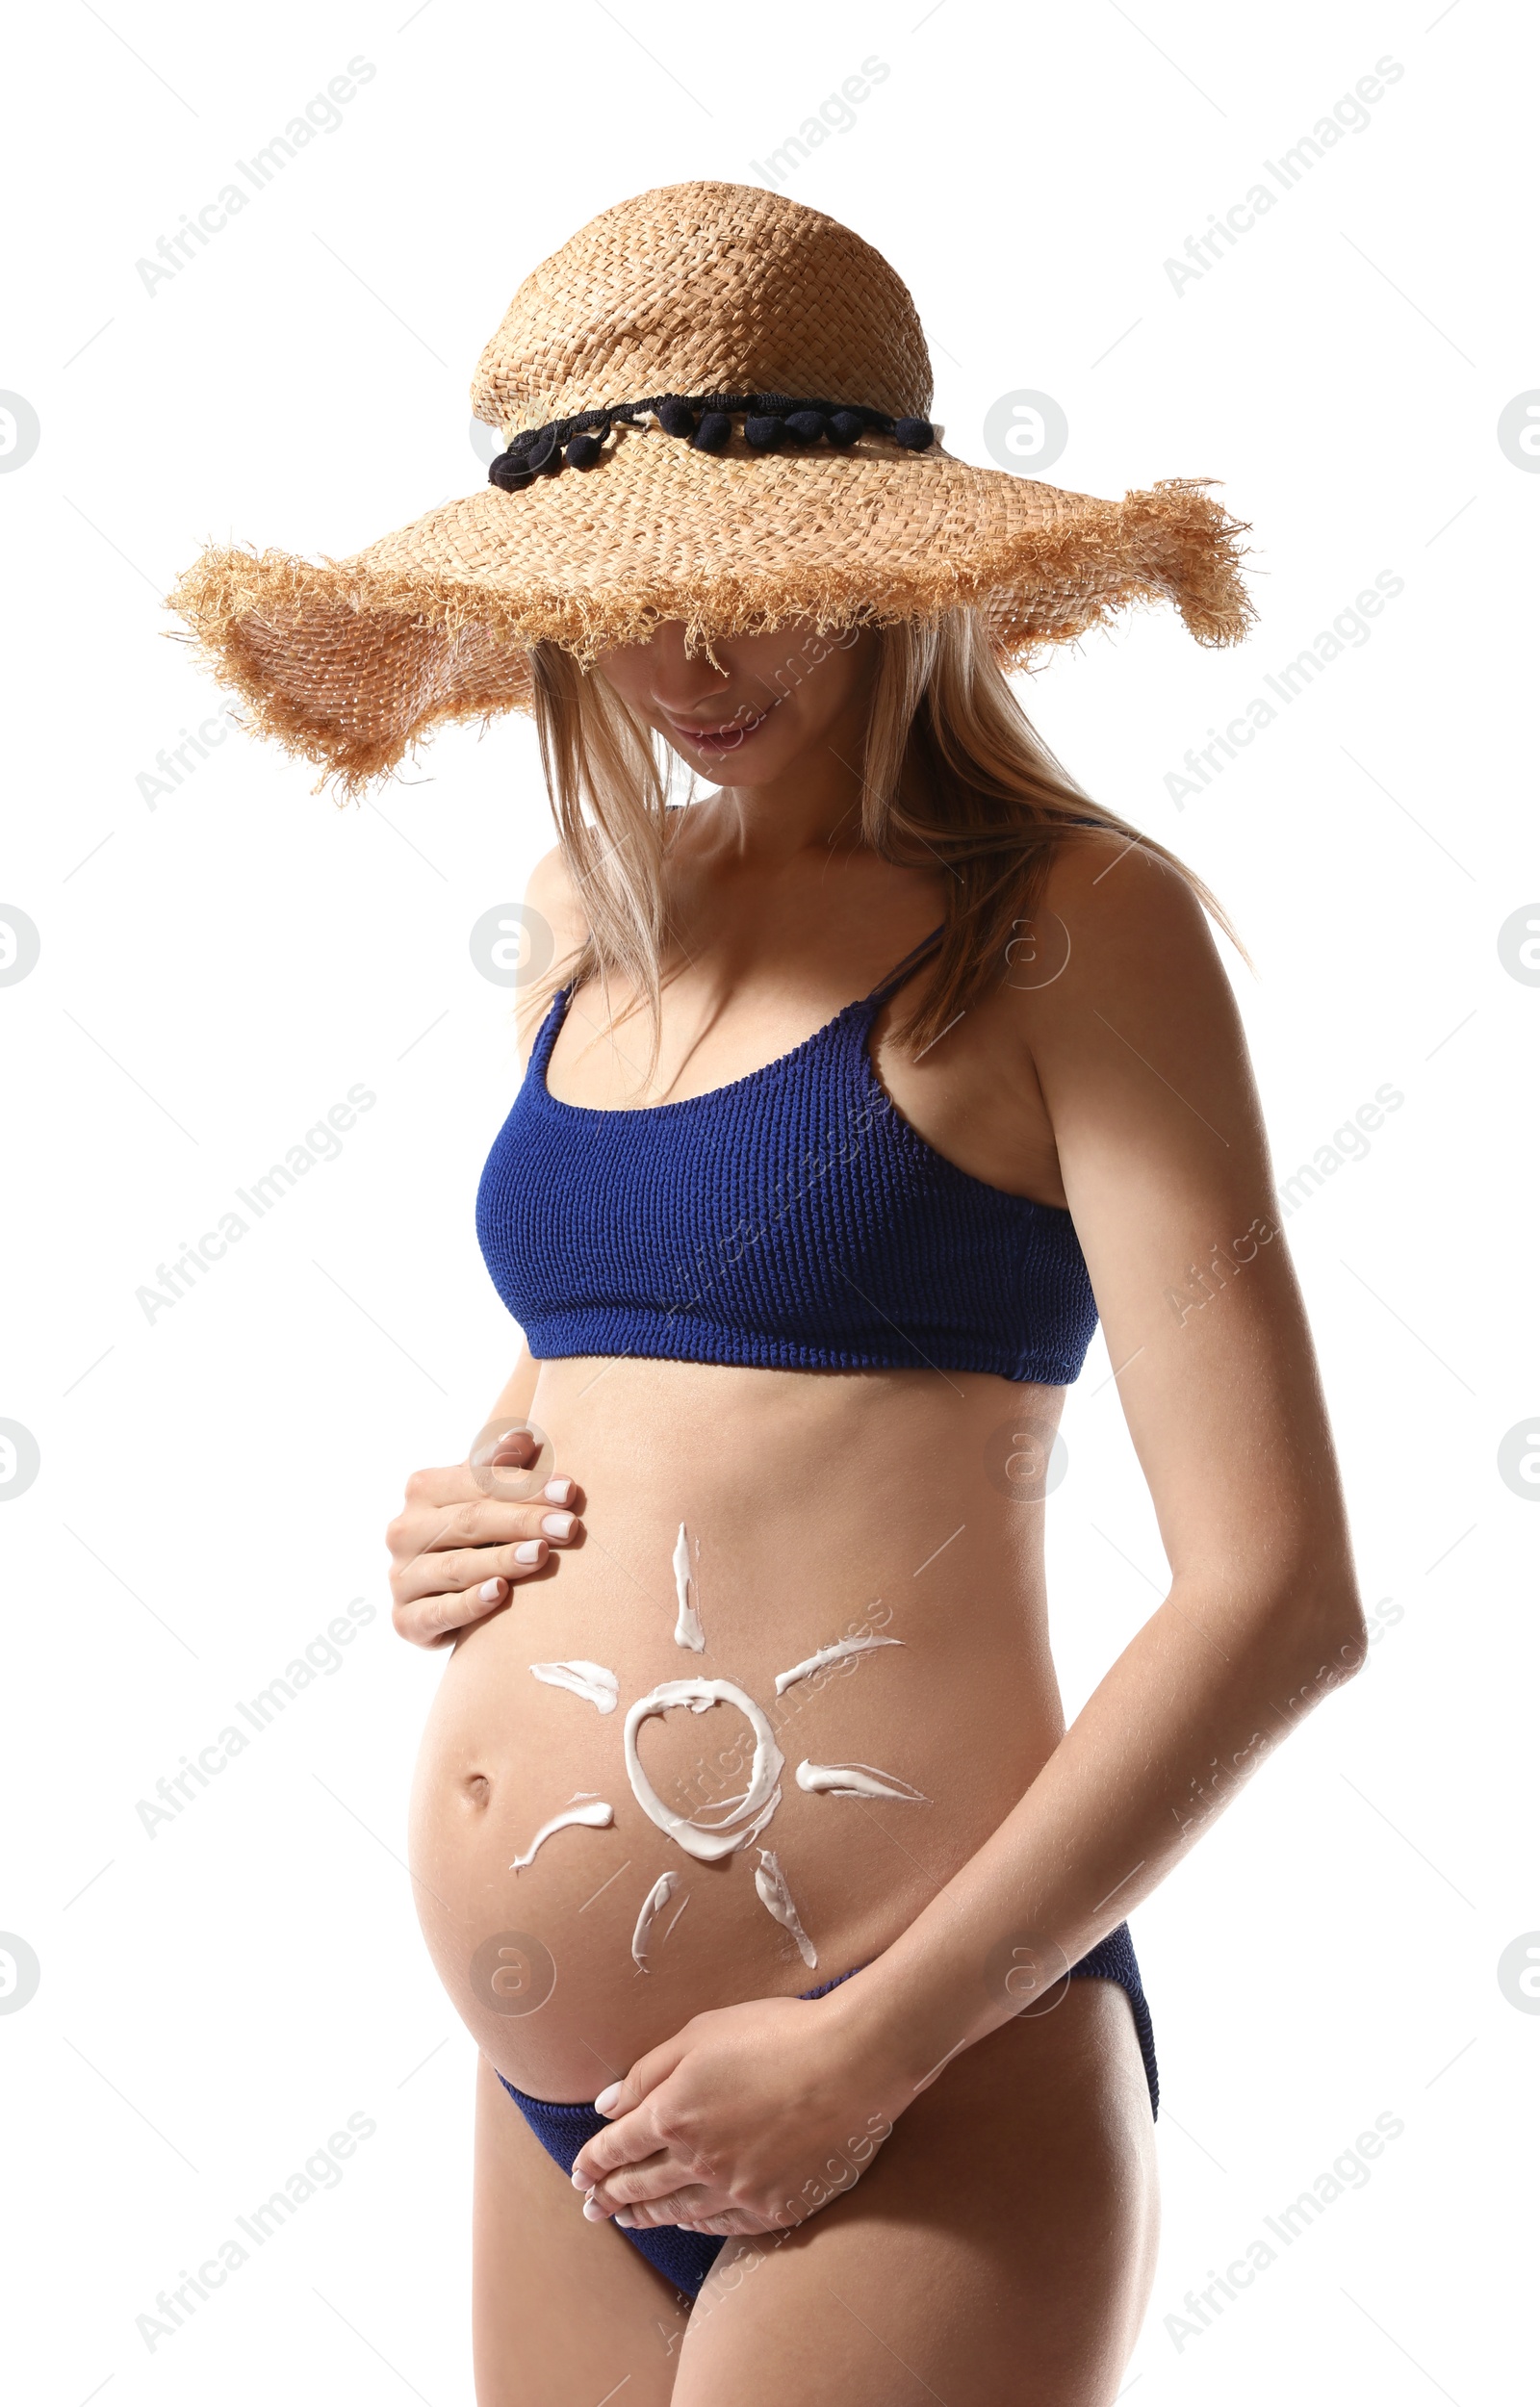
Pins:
x,y
685,2258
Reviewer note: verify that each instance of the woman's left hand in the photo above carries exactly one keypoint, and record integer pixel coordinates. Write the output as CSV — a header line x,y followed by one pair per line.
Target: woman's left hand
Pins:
x,y
748,2119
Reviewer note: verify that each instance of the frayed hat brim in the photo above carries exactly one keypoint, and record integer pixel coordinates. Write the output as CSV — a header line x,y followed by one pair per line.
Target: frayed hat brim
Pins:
x,y
348,663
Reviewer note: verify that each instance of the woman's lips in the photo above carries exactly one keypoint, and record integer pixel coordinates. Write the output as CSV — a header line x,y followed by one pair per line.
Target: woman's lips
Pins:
x,y
718,738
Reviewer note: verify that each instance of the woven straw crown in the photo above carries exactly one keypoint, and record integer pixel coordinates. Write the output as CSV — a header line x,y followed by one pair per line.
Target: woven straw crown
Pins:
x,y
723,289
698,290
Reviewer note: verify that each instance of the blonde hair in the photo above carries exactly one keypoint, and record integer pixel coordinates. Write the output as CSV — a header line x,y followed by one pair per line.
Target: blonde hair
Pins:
x,y
954,776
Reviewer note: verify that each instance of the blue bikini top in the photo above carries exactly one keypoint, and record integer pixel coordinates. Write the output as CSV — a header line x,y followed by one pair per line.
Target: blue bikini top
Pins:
x,y
792,1219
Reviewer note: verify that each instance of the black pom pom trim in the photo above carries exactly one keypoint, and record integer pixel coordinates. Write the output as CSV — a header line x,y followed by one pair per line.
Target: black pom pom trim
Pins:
x,y
705,420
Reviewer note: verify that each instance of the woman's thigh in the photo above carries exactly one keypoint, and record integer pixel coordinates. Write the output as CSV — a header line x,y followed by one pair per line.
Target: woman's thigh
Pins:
x,y
1000,2248
566,2312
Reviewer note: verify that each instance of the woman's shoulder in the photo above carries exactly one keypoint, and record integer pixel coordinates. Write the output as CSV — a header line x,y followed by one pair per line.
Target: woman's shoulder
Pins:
x,y
551,894
552,909
1126,935
1117,889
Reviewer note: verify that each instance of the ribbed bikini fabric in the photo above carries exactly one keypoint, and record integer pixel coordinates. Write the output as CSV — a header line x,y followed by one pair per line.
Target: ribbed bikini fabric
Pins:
x,y
793,1219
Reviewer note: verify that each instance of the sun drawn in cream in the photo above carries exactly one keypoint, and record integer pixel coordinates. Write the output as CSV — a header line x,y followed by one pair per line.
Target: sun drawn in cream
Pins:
x,y
729,1823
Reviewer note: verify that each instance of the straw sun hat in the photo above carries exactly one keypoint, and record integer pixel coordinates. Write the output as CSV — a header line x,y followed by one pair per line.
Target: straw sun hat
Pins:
x,y
715,403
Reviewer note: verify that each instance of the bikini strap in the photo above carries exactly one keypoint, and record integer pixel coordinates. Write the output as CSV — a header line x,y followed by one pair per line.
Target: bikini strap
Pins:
x,y
546,1033
906,968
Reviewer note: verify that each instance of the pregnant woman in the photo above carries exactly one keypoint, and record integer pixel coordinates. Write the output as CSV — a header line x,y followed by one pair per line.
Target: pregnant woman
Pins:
x,y
748,1835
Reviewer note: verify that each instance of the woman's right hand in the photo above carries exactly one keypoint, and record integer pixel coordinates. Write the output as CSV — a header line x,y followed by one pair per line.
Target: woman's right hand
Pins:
x,y
457,1552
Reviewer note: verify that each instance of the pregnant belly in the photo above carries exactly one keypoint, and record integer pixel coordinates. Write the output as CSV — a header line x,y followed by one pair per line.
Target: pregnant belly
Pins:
x,y
730,1746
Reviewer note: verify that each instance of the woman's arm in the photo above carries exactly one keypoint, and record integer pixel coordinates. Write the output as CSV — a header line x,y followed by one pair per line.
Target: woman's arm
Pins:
x,y
1137,1052
512,1406
461,1543
1138,1055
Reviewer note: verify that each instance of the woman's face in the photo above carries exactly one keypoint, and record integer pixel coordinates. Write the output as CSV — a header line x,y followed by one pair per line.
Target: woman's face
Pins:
x,y
773,699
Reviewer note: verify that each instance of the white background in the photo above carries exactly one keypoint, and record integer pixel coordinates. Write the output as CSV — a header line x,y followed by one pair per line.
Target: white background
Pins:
x,y
217,970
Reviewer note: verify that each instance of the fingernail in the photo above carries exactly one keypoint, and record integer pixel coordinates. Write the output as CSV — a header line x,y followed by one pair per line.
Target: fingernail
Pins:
x,y
606,2098
625,2219
558,1491
581,2181
491,1590
593,2214
530,1552
558,1524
